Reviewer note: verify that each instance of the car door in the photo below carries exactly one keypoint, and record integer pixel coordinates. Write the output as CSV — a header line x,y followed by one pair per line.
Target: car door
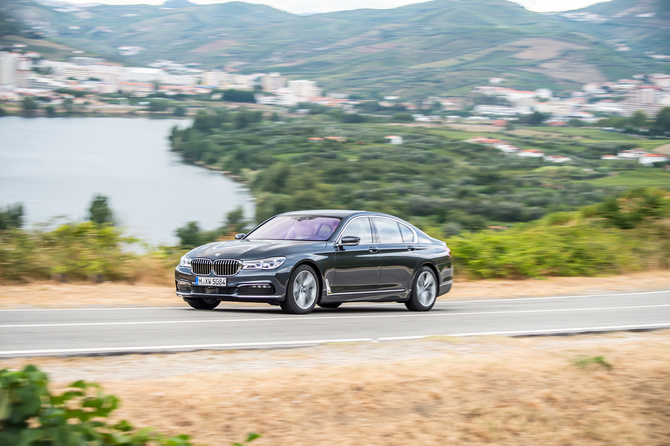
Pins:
x,y
356,267
398,255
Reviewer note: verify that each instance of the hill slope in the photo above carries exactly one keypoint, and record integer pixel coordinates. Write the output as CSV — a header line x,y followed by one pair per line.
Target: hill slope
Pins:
x,y
426,48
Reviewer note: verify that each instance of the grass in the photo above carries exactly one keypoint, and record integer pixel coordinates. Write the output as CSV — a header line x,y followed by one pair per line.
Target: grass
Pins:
x,y
637,178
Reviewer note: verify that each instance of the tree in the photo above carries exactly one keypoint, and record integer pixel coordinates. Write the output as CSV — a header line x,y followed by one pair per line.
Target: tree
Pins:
x,y
275,117
189,235
29,104
11,216
663,120
100,212
158,105
536,118
639,119
69,105
179,111
51,110
2,112
402,117
235,222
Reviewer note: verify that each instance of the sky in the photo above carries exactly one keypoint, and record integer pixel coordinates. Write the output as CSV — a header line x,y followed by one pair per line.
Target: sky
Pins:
x,y
311,6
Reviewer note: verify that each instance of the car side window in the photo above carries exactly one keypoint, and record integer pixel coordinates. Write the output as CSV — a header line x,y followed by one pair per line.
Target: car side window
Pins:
x,y
388,230
360,228
407,234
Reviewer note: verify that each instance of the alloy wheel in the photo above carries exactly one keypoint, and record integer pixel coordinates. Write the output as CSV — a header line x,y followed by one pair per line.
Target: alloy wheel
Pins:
x,y
304,289
426,288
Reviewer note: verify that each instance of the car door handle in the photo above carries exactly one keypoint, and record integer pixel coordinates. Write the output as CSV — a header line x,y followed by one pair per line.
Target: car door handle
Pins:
x,y
373,249
411,248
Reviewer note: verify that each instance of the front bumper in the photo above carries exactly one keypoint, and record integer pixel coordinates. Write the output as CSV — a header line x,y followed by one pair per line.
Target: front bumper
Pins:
x,y
245,286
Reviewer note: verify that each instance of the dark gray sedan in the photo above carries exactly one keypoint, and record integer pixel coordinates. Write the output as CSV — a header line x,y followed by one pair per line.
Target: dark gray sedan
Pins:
x,y
306,258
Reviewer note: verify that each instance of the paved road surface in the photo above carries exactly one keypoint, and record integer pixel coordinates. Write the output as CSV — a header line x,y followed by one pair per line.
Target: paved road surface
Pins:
x,y
180,328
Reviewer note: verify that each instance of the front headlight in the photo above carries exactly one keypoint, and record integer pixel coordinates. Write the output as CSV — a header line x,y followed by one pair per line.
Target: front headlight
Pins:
x,y
185,262
271,263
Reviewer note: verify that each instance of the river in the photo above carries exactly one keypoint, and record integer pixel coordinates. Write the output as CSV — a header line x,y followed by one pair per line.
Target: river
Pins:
x,y
55,166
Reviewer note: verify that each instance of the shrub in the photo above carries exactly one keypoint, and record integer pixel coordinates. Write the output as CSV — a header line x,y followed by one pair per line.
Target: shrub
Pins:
x,y
78,250
30,415
537,250
632,207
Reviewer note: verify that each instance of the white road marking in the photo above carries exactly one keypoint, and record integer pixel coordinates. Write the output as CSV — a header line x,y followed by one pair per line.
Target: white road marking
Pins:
x,y
333,317
439,302
514,299
160,348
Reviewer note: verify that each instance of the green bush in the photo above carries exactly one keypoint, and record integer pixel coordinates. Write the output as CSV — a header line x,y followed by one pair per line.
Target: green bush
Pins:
x,y
30,415
78,250
537,250
626,232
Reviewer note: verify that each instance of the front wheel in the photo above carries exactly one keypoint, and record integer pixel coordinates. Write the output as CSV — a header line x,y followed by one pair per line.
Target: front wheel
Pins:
x,y
424,291
302,291
203,304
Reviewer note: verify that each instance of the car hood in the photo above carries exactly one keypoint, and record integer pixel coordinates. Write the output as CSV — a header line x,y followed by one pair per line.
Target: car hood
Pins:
x,y
254,249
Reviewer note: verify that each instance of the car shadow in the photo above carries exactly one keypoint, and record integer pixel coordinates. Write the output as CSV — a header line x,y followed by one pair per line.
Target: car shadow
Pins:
x,y
344,309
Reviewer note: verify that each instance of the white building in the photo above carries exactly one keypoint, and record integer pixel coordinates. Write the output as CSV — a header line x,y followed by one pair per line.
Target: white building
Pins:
x,y
495,110
644,99
557,158
273,82
631,154
531,153
651,158
394,139
304,88
128,50
9,66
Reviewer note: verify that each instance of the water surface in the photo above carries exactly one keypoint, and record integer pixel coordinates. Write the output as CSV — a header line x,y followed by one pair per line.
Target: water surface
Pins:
x,y
55,166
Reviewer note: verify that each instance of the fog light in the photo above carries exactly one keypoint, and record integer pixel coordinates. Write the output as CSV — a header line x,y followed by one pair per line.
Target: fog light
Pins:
x,y
183,287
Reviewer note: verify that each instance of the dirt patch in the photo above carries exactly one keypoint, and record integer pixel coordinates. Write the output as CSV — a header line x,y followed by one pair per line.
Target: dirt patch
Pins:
x,y
476,128
69,295
664,149
462,392
568,70
216,45
540,48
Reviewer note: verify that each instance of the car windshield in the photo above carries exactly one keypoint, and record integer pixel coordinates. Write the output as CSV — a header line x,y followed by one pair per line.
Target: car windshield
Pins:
x,y
296,227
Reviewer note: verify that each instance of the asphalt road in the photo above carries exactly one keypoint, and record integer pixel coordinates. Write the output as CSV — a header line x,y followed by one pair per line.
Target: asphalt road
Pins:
x,y
92,331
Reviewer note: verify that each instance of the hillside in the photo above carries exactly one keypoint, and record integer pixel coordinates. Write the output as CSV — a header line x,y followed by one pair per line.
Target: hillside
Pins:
x,y
427,48
640,24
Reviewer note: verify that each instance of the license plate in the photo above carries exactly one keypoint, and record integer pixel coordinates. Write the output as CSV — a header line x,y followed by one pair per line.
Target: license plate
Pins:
x,y
210,281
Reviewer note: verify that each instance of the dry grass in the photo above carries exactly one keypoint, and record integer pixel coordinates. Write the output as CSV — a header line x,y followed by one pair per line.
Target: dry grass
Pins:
x,y
520,392
540,48
664,149
52,295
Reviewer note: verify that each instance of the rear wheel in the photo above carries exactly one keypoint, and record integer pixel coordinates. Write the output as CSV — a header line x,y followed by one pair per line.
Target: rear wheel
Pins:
x,y
302,291
203,304
330,304
424,291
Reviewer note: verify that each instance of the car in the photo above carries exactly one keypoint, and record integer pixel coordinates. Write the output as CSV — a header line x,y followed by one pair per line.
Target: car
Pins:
x,y
302,259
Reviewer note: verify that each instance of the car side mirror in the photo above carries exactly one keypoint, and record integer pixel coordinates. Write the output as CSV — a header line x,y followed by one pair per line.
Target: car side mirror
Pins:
x,y
350,240
239,236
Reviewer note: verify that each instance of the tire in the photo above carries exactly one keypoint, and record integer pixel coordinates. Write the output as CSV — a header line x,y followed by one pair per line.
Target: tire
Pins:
x,y
302,291
424,291
203,304
330,304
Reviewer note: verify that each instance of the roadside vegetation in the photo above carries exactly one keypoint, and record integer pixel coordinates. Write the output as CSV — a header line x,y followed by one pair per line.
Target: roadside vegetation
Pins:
x,y
624,233
31,415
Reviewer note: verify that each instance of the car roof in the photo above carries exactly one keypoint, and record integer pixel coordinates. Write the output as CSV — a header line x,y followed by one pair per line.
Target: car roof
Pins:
x,y
325,213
